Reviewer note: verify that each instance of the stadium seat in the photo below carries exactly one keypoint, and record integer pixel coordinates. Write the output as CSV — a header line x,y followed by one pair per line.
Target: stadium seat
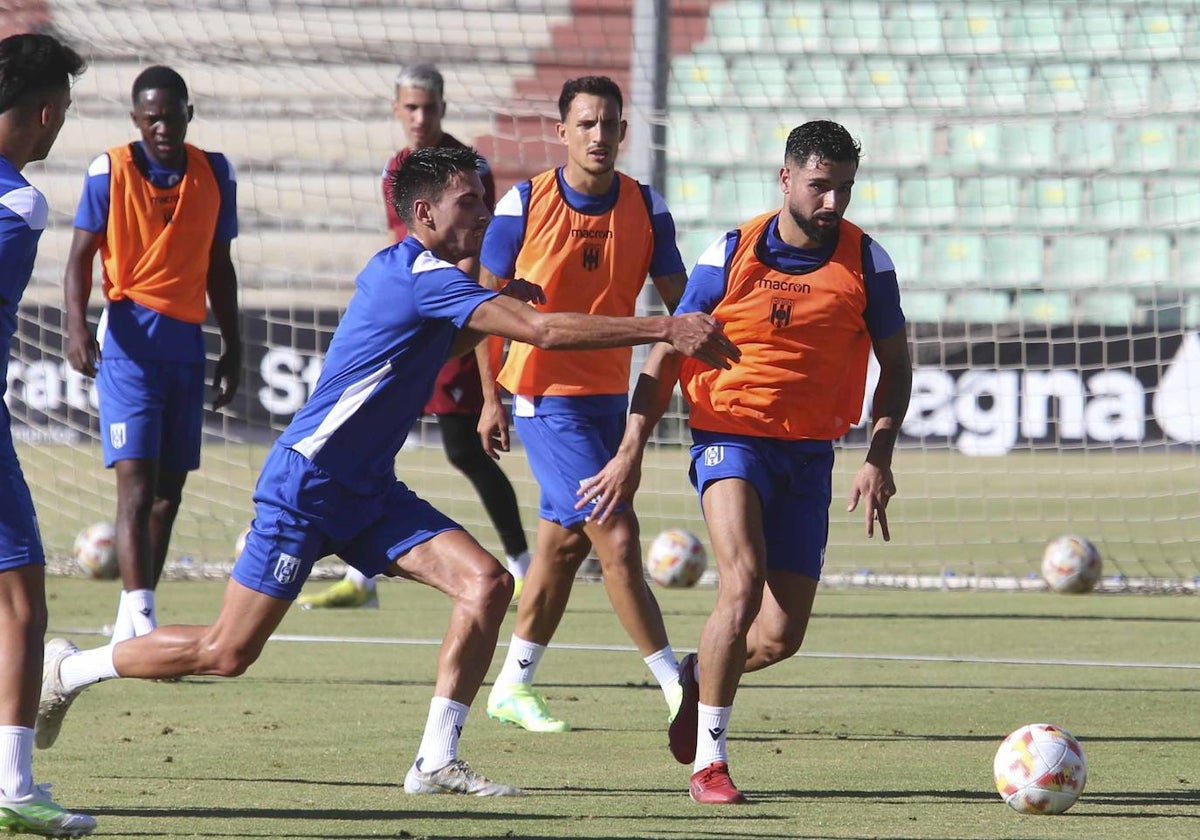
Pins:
x,y
1110,308
1086,144
1028,144
972,29
689,194
905,249
1189,261
1142,259
1154,32
853,27
914,28
768,134
989,201
1116,202
693,241
900,142
928,201
875,201
736,27
741,194
1120,88
796,27
1050,308
1013,260
1174,202
818,82
1146,146
1191,312
1077,261
1053,201
924,306
878,83
1094,29
704,137
1000,87
1058,88
954,260
1033,28
758,80
940,84
981,306
1179,87
697,79
971,147
1188,150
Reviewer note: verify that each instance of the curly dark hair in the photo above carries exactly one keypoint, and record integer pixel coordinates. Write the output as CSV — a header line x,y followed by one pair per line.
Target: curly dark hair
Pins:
x,y
824,140
31,64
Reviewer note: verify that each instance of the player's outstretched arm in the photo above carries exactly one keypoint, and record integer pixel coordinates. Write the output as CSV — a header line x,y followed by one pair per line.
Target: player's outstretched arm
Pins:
x,y
83,351
618,481
223,299
874,483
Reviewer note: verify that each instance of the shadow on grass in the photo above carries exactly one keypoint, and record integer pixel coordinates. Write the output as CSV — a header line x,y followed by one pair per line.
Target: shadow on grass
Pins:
x,y
1074,619
770,737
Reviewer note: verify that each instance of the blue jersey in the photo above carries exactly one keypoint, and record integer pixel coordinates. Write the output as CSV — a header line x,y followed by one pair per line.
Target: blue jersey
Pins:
x,y
383,360
506,233
883,315
23,213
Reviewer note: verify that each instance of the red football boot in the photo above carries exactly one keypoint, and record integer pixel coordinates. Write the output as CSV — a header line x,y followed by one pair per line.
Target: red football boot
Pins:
x,y
712,786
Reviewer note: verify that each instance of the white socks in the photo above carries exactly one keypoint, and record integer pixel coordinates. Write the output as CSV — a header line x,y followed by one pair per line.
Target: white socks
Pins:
x,y
710,736
136,615
665,667
16,762
521,662
359,579
87,668
439,744
518,566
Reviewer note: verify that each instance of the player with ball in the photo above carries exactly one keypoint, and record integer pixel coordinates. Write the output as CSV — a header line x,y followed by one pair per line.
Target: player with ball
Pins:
x,y
806,296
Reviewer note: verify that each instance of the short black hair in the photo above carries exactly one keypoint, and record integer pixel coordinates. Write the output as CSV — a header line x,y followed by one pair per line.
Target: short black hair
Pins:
x,y
425,174
593,85
824,140
160,77
32,64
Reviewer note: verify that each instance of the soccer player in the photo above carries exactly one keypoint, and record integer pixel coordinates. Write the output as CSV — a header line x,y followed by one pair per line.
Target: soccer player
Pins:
x,y
457,400
588,235
161,213
35,92
806,295
328,486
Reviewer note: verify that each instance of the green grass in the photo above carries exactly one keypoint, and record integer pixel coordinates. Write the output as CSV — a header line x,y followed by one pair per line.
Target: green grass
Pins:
x,y
314,740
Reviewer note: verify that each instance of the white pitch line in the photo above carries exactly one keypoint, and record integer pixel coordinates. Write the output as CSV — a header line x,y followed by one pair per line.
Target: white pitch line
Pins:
x,y
877,657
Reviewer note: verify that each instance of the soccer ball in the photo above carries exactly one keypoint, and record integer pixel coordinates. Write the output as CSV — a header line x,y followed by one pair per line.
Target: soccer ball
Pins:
x,y
1040,769
96,551
1071,564
239,544
676,559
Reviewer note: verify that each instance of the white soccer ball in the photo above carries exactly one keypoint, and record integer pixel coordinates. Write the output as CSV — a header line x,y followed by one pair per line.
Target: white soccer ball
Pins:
x,y
1071,564
1040,769
239,545
676,559
96,551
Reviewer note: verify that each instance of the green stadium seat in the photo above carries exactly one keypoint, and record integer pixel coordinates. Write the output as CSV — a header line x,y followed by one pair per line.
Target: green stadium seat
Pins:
x,y
1033,28
901,142
940,84
1086,144
853,28
1077,261
1013,260
905,249
1110,308
875,201
1155,33
1050,308
736,27
768,134
1059,88
928,201
981,306
796,27
1179,86
1142,259
703,137
1189,261
1191,312
1000,88
693,242
1146,146
818,82
689,195
989,201
697,79
924,306
878,83
954,260
1174,202
914,28
1116,202
1055,201
741,194
1028,144
973,29
1094,29
758,80
1120,88
1188,157
973,146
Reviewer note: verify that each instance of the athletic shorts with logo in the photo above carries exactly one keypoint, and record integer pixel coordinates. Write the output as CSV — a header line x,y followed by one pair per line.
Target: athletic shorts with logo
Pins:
x,y
151,409
794,480
20,540
302,514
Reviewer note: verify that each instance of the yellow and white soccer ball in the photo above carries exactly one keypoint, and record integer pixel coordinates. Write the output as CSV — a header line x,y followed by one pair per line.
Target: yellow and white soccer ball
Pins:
x,y
1071,564
676,559
96,551
1040,769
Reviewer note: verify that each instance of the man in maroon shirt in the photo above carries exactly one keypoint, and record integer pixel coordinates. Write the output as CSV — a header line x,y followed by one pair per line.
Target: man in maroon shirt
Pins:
x,y
457,399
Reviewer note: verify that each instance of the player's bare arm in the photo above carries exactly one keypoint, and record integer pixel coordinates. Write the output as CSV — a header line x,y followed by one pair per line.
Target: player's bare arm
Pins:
x,y
874,482
616,484
469,339
670,288
223,299
83,351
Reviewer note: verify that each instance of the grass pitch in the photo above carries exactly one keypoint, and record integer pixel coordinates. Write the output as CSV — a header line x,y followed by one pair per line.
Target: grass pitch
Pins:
x,y
884,728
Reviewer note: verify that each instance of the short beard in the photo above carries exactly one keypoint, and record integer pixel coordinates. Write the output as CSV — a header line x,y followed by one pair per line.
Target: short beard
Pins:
x,y
812,231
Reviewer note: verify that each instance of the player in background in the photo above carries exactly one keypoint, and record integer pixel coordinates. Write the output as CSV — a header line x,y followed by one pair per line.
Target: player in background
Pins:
x,y
457,399
161,213
806,295
588,235
328,486
36,72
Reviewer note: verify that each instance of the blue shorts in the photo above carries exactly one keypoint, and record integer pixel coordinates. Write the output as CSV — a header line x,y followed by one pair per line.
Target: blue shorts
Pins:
x,y
151,410
794,480
564,449
20,540
301,514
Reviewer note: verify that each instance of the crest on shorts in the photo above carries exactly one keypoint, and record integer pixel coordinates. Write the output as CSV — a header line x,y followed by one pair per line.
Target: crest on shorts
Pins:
x,y
781,311
713,455
116,435
286,568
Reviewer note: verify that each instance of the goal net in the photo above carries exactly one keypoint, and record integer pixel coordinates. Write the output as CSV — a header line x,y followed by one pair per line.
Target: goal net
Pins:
x,y
1033,168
